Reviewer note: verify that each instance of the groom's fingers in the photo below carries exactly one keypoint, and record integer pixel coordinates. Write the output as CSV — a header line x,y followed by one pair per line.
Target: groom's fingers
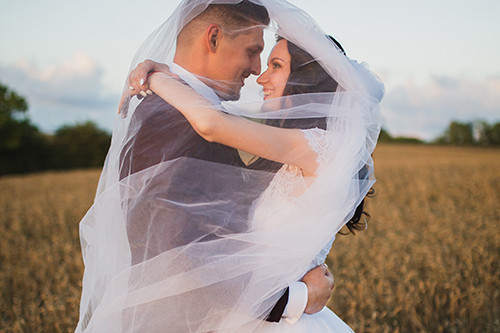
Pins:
x,y
328,275
331,279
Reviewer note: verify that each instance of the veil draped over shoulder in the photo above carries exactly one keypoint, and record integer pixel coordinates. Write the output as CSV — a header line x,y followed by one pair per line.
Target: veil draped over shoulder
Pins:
x,y
174,248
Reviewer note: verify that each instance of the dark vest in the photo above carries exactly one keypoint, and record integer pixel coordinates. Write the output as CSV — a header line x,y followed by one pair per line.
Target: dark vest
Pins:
x,y
165,134
158,133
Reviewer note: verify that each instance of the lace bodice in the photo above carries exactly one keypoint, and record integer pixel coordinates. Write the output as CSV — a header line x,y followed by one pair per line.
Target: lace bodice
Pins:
x,y
288,180
287,184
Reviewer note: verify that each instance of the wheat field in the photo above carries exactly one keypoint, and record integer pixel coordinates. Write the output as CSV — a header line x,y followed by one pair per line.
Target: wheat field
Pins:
x,y
428,262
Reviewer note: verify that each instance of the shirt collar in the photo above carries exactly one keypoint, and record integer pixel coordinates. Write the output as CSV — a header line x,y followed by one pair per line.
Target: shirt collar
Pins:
x,y
195,83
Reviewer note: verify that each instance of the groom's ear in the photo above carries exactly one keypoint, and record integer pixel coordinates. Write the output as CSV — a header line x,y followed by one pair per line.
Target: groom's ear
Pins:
x,y
212,37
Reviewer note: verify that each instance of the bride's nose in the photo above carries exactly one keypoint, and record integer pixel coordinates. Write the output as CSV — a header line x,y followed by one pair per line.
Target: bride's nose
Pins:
x,y
262,79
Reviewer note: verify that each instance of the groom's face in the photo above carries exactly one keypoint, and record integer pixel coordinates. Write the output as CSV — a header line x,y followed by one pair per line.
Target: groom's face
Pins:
x,y
236,58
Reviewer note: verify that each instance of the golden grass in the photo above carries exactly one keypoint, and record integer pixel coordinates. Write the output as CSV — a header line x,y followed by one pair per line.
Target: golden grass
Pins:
x,y
429,261
40,258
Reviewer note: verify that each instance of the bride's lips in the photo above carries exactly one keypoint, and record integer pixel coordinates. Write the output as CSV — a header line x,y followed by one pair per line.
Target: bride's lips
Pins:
x,y
267,93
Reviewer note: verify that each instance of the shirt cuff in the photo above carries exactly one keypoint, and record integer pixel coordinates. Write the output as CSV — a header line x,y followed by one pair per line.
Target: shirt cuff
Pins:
x,y
297,301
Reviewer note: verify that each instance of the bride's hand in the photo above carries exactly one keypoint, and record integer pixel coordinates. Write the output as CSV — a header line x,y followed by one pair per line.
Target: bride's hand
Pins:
x,y
138,78
138,81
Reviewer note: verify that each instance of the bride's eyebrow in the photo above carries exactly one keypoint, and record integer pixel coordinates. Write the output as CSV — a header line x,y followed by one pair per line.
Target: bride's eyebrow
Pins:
x,y
275,58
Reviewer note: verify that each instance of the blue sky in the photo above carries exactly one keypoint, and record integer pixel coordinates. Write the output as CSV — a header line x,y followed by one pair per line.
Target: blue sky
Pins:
x,y
440,60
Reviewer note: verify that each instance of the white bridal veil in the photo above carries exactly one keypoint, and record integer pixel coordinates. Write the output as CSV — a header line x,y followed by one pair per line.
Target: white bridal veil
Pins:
x,y
173,247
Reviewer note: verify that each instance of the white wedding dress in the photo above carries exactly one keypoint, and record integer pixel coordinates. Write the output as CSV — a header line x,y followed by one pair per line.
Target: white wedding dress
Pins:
x,y
286,186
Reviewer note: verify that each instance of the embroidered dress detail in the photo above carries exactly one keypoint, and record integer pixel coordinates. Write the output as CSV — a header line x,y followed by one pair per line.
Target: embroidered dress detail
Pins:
x,y
318,141
287,185
288,180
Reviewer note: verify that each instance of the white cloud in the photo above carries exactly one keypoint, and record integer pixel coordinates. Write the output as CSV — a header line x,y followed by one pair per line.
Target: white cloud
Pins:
x,y
425,110
63,93
74,91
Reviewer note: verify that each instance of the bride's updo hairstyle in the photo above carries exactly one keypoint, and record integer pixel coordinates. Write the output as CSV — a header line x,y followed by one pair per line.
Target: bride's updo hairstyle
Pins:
x,y
306,77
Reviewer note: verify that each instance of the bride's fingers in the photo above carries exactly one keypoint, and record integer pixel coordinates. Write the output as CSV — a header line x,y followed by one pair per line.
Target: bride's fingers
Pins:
x,y
138,78
138,82
124,100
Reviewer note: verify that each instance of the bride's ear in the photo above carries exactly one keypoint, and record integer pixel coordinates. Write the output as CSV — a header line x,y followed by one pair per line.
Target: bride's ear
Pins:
x,y
212,37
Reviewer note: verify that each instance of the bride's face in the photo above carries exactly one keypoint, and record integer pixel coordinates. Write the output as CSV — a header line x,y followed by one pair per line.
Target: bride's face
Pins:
x,y
274,79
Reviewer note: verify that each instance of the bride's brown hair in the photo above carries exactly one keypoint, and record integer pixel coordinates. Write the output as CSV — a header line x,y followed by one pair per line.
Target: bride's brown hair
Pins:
x,y
307,76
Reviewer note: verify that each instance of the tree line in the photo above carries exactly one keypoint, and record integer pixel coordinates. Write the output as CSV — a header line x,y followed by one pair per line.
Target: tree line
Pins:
x,y
24,148
476,133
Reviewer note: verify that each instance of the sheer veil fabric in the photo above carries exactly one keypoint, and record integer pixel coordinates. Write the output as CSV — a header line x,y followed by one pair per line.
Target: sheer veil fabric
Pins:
x,y
174,247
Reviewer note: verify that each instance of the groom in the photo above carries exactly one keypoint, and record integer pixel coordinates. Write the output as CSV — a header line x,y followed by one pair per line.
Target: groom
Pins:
x,y
205,49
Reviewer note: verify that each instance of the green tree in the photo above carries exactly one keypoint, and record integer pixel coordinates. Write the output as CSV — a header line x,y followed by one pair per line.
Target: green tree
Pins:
x,y
384,136
12,108
79,146
458,133
491,135
23,148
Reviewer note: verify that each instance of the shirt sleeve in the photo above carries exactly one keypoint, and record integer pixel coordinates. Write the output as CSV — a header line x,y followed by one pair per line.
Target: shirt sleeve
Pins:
x,y
297,301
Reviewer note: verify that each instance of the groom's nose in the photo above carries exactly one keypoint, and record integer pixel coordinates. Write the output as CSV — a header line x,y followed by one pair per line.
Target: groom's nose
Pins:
x,y
255,66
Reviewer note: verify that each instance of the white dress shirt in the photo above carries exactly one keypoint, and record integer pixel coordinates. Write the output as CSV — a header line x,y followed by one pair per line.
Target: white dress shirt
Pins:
x,y
195,83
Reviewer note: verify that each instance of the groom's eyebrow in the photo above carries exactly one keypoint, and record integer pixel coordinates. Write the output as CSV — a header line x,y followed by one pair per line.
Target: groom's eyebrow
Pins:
x,y
259,48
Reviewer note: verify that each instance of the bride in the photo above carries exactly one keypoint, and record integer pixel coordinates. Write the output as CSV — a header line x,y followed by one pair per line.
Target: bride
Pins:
x,y
263,240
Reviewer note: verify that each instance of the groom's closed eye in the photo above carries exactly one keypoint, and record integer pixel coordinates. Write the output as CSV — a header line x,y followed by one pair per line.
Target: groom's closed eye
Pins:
x,y
254,52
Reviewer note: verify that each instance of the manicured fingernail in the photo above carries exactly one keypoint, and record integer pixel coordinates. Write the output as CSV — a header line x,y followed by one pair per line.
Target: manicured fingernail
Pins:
x,y
149,92
130,88
141,82
143,93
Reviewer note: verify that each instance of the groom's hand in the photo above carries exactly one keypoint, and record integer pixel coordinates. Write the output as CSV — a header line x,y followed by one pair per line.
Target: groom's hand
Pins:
x,y
319,283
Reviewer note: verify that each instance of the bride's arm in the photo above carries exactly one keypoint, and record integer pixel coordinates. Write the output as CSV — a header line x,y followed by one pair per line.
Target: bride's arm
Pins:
x,y
278,144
